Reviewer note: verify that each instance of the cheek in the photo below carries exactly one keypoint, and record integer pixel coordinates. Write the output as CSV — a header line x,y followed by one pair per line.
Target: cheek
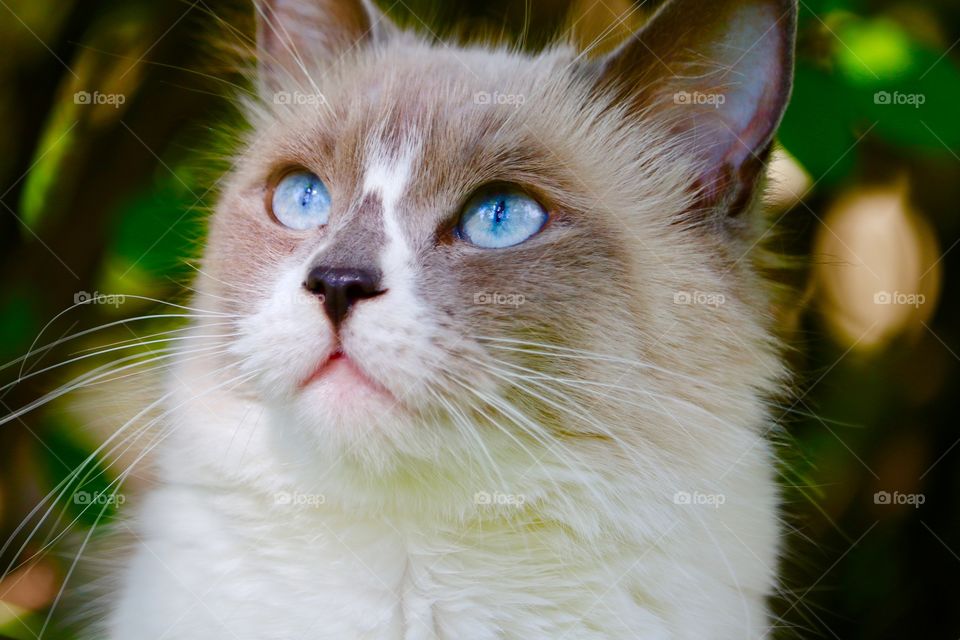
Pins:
x,y
560,292
245,249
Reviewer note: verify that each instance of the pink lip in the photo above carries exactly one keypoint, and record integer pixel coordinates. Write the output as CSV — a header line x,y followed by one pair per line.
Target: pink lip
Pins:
x,y
339,368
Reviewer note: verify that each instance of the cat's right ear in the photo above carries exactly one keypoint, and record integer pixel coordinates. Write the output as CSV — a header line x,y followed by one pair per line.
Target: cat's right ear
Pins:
x,y
296,37
720,73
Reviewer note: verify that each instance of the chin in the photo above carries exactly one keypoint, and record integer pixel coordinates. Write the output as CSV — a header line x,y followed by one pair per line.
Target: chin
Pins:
x,y
342,412
341,383
344,397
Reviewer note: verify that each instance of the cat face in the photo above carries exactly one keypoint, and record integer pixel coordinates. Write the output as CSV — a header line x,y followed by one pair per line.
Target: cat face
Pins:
x,y
418,237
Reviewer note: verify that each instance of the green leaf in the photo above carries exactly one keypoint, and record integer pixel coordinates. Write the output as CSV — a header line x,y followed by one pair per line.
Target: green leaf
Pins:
x,y
881,80
871,50
18,322
820,128
156,234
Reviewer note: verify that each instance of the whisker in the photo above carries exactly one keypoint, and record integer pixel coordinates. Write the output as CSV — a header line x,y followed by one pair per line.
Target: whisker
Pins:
x,y
464,425
525,426
34,349
111,350
579,384
149,336
87,379
557,351
223,282
238,379
64,484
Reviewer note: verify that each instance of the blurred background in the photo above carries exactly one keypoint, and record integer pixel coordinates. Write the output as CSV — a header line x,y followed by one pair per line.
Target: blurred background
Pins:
x,y
108,115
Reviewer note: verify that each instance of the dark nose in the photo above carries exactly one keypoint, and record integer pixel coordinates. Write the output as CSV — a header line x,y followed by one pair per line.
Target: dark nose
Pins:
x,y
341,288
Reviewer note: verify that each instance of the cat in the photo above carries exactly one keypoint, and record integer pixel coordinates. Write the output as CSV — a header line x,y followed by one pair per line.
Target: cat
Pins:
x,y
494,353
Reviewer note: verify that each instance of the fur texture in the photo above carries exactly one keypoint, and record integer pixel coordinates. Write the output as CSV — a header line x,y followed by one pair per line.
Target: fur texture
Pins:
x,y
563,439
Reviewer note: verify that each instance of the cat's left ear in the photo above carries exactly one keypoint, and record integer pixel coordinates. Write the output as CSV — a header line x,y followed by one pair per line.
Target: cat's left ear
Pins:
x,y
720,74
293,36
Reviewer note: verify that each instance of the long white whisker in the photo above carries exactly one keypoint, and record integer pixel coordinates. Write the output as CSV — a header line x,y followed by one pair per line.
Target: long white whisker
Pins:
x,y
557,351
578,384
89,535
464,425
64,484
150,336
88,380
34,349
525,425
113,349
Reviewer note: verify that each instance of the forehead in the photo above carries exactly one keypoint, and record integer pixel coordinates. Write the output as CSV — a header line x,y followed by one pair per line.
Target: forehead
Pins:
x,y
454,117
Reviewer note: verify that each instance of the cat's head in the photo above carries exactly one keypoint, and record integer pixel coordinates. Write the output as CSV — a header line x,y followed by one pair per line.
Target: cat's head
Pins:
x,y
430,245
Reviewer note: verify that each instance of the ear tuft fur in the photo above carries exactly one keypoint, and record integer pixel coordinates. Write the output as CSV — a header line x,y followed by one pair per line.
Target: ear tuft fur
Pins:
x,y
294,35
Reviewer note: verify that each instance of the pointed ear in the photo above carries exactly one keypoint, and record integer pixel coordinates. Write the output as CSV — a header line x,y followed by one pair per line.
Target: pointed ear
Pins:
x,y
294,35
720,74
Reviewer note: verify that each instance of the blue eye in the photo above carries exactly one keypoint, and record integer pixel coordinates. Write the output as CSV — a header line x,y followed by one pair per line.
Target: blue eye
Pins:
x,y
301,201
501,219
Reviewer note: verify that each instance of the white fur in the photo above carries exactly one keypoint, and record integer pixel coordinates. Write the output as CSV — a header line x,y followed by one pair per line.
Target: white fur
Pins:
x,y
389,181
229,562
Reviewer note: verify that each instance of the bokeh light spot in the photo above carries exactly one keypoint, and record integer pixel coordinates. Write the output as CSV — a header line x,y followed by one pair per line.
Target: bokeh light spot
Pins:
x,y
876,266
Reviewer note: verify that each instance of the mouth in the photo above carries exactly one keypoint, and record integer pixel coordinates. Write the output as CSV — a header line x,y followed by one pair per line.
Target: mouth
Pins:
x,y
342,374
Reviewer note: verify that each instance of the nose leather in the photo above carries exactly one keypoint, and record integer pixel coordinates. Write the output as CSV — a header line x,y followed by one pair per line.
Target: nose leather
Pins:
x,y
341,288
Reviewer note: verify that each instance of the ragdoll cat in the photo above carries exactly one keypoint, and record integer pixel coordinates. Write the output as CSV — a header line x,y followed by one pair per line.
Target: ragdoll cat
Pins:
x,y
498,354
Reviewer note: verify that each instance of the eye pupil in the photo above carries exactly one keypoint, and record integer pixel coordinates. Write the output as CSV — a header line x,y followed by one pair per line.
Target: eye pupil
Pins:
x,y
308,195
500,213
